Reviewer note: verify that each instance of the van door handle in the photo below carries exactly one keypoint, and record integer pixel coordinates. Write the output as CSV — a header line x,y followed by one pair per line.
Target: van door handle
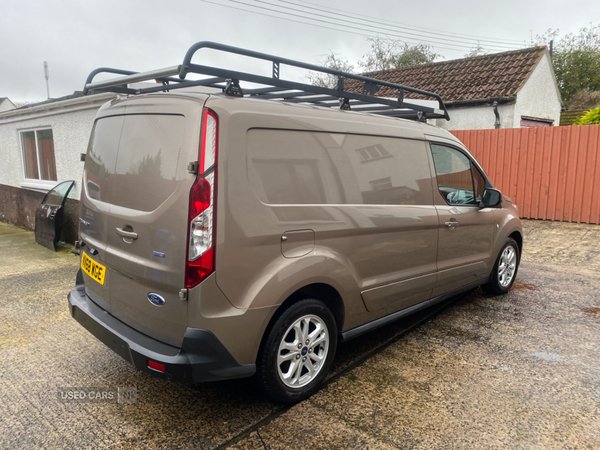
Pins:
x,y
127,234
452,224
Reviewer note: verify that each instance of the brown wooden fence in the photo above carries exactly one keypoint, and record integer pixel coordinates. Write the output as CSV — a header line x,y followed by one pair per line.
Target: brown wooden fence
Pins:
x,y
550,172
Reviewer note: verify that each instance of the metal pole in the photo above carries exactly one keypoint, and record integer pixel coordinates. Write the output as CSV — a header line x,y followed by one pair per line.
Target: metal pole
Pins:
x,y
47,75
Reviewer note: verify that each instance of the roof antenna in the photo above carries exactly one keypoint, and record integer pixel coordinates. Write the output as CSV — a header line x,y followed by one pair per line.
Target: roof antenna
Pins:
x,y
47,75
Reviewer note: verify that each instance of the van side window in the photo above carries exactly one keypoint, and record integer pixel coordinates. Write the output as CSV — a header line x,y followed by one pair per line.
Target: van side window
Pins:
x,y
455,176
288,167
282,177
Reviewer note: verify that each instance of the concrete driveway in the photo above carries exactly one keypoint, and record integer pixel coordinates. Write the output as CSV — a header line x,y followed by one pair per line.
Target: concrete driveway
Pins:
x,y
519,371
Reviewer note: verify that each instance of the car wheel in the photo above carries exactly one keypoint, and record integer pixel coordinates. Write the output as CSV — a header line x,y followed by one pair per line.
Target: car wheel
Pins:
x,y
505,270
298,352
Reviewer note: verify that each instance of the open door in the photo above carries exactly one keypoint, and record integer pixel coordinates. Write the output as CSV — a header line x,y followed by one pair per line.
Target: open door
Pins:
x,y
49,215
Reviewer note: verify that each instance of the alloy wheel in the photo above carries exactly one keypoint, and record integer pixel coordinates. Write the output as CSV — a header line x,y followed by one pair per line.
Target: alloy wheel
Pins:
x,y
303,351
507,266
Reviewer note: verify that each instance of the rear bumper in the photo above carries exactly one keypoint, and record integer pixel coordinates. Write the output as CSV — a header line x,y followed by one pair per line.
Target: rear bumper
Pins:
x,y
202,357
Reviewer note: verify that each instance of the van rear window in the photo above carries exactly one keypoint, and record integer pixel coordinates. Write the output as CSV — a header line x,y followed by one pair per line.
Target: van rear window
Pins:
x,y
303,167
135,160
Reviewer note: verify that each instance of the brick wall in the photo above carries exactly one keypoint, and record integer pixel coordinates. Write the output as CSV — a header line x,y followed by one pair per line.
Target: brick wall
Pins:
x,y
18,207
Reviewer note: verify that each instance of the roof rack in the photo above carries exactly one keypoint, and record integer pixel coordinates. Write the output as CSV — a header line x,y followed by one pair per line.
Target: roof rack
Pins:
x,y
274,87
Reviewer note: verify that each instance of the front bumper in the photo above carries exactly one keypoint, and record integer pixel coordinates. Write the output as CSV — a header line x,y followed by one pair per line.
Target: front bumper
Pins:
x,y
202,357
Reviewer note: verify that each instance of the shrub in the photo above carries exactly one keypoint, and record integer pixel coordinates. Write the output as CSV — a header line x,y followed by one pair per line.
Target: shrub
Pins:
x,y
590,118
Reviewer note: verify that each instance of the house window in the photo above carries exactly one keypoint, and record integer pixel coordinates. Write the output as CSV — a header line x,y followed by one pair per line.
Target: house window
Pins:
x,y
38,154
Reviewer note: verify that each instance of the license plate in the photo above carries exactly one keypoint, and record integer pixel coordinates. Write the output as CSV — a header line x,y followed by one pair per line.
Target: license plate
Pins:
x,y
92,268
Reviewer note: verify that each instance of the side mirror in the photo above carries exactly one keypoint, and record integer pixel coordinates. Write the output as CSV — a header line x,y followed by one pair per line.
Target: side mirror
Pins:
x,y
491,198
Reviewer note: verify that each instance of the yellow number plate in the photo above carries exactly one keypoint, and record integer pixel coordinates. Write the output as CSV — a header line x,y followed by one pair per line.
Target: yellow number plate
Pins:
x,y
92,268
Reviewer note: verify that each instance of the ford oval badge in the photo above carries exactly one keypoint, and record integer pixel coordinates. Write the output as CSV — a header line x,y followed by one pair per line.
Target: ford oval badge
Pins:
x,y
156,299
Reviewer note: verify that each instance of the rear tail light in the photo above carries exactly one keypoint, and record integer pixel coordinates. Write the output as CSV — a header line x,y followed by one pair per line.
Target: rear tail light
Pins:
x,y
201,255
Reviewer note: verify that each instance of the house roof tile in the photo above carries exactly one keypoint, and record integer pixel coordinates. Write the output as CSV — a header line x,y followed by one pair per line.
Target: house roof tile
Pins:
x,y
474,78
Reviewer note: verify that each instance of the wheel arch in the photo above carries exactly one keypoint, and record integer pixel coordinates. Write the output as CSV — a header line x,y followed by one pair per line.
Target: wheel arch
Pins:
x,y
517,236
319,291
328,295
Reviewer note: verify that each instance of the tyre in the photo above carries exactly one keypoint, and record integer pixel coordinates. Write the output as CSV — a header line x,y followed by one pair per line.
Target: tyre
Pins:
x,y
298,352
505,270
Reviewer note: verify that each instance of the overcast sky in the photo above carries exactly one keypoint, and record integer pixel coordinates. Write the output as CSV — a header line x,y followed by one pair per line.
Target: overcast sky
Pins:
x,y
76,37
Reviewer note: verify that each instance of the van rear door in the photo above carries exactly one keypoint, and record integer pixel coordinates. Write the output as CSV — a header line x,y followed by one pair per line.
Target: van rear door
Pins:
x,y
95,205
147,222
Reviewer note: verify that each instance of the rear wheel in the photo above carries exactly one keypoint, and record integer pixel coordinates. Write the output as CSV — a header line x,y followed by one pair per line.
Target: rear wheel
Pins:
x,y
298,352
505,270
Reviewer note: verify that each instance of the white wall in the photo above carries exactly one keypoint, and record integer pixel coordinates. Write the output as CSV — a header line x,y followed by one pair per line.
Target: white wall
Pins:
x,y
539,96
477,118
71,128
6,105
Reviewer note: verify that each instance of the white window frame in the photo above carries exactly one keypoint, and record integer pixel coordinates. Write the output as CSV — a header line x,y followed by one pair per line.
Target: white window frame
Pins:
x,y
36,183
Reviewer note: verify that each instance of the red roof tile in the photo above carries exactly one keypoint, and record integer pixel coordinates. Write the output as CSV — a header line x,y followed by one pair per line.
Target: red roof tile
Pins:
x,y
479,77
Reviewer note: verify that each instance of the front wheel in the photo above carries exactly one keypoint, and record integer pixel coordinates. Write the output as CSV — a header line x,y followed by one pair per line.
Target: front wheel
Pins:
x,y
298,352
505,270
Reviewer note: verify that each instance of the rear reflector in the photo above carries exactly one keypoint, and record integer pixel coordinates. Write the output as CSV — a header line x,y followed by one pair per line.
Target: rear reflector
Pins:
x,y
156,366
200,253
208,146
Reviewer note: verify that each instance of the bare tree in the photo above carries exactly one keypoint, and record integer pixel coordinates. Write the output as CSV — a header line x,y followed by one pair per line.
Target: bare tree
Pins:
x,y
388,54
476,51
384,54
584,100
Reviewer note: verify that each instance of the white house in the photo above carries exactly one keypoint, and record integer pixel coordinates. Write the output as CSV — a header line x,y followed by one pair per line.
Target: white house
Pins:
x,y
503,90
6,104
40,146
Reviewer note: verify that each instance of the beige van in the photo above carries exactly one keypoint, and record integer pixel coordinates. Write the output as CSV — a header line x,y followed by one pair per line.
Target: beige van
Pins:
x,y
248,232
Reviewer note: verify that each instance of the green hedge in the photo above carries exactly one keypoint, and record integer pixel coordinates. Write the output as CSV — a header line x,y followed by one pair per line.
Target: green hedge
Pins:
x,y
590,118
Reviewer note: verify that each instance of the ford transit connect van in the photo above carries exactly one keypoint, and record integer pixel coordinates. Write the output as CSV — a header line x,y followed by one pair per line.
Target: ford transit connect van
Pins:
x,y
242,233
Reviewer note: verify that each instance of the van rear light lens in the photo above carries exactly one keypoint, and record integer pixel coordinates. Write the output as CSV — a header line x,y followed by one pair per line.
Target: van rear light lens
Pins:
x,y
200,197
201,256
201,211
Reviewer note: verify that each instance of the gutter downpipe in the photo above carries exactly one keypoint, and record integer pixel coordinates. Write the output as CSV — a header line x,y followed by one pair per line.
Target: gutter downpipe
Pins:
x,y
497,114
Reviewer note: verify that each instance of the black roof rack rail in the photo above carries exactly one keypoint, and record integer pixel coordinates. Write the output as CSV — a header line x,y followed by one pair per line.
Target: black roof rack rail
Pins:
x,y
273,87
